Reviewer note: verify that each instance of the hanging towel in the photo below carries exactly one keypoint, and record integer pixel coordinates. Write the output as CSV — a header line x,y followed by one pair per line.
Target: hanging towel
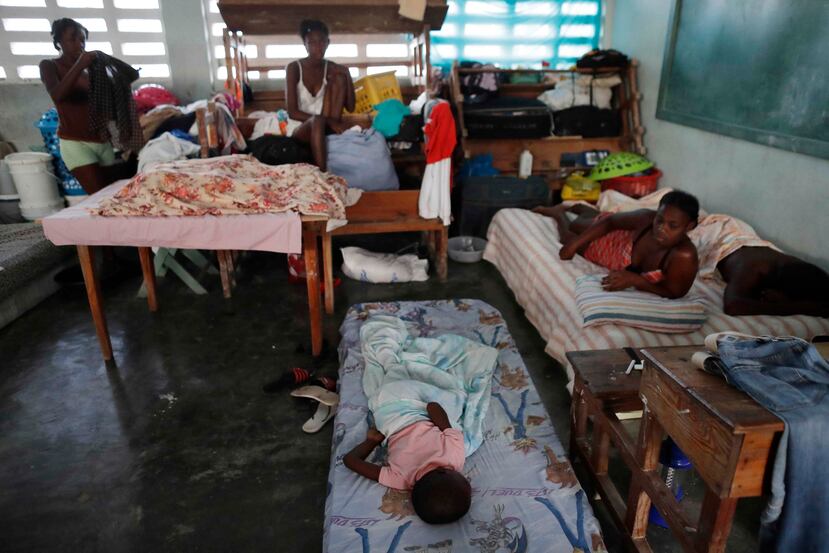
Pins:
x,y
440,143
111,100
403,373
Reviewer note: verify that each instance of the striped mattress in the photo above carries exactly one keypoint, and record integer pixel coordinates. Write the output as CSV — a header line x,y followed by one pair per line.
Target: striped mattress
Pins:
x,y
524,247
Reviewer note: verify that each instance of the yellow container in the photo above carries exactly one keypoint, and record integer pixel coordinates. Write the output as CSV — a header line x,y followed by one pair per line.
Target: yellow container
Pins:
x,y
579,187
373,89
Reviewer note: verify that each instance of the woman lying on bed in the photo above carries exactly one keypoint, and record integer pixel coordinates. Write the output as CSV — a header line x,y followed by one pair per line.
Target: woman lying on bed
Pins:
x,y
644,249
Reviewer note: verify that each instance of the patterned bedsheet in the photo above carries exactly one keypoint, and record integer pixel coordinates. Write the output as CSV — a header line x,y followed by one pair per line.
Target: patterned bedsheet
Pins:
x,y
228,185
524,247
525,494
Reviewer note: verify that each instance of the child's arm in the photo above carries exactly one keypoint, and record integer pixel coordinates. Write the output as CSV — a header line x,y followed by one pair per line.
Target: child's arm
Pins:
x,y
438,416
355,459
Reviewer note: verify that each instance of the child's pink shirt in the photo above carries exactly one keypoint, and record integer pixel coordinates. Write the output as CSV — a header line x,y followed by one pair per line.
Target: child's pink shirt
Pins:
x,y
418,449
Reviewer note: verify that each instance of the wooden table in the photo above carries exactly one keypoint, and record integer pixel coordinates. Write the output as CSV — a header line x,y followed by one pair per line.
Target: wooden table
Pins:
x,y
313,229
727,436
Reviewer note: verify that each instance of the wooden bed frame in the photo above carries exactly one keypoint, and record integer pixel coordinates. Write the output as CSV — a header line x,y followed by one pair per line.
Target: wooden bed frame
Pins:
x,y
374,213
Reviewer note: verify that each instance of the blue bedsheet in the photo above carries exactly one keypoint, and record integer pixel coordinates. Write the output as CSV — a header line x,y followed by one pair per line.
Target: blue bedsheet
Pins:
x,y
525,496
404,373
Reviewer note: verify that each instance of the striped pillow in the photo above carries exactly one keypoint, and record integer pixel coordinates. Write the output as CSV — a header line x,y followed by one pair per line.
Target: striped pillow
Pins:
x,y
635,308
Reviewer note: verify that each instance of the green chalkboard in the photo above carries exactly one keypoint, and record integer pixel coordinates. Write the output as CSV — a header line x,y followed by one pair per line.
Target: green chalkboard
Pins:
x,y
756,70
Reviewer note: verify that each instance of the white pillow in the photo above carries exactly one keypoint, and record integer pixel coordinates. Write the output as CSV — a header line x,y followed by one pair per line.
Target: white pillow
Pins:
x,y
636,308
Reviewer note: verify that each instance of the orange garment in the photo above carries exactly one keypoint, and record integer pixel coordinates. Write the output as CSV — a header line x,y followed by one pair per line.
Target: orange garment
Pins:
x,y
614,251
420,448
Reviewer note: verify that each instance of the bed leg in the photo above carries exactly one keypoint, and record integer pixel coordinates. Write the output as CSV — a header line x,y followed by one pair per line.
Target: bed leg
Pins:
x,y
312,279
145,255
93,294
328,273
441,252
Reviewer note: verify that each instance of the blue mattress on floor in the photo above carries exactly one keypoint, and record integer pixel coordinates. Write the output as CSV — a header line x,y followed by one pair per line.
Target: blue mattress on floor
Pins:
x,y
525,494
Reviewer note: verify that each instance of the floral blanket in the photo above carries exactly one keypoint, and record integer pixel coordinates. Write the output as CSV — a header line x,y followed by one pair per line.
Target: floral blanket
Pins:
x,y
228,185
525,495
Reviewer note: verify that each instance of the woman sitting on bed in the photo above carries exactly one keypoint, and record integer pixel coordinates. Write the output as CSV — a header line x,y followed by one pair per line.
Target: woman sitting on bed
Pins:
x,y
424,457
644,249
317,90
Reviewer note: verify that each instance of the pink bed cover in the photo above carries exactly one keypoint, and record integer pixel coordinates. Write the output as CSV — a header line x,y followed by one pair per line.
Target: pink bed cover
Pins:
x,y
272,232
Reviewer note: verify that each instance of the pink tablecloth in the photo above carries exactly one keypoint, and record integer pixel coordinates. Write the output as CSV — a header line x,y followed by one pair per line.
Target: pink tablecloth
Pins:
x,y
272,232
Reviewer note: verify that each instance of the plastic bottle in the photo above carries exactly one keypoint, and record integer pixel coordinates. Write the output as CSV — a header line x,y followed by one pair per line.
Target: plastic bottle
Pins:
x,y
525,164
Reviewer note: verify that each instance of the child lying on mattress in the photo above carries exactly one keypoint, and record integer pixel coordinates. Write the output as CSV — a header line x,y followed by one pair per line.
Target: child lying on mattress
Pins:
x,y
644,249
424,457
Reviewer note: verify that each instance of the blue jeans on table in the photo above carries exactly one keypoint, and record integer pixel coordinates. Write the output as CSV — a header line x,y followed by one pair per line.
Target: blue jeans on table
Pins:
x,y
790,378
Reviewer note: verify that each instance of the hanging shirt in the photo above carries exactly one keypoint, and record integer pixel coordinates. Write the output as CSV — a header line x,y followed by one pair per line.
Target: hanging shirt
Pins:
x,y
311,103
110,99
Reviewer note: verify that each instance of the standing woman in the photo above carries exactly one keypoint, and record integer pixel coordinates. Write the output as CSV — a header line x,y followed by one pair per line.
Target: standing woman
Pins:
x,y
85,153
317,91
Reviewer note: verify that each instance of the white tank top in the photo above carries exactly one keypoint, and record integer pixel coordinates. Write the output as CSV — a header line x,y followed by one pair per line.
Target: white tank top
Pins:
x,y
310,103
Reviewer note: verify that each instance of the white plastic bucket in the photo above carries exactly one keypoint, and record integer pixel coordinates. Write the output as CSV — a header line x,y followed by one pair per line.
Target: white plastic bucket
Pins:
x,y
35,184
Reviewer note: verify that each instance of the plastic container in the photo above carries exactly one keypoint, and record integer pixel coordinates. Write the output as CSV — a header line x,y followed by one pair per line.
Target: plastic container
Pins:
x,y
466,249
636,187
525,164
373,89
35,184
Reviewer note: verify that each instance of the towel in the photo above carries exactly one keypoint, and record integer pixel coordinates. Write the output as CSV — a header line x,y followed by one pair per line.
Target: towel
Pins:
x,y
404,373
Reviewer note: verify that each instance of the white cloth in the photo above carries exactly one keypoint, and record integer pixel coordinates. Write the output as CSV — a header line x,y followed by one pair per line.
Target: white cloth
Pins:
x,y
434,200
268,123
166,147
367,266
571,92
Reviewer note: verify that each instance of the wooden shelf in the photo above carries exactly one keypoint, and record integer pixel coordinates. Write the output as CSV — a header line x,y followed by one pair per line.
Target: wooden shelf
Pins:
x,y
281,17
547,151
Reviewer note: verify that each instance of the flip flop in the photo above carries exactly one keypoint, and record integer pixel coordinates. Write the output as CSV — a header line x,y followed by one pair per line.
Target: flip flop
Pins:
x,y
317,393
323,414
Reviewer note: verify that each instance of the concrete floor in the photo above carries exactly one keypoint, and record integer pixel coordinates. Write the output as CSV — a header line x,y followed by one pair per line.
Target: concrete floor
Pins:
x,y
177,448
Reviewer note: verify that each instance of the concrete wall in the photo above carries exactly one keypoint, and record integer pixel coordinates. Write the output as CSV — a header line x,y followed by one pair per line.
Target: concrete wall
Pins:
x,y
188,52
785,196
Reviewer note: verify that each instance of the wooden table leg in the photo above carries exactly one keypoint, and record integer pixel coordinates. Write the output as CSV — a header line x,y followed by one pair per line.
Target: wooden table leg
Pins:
x,y
224,271
715,520
647,455
578,416
93,294
328,273
441,253
312,279
145,255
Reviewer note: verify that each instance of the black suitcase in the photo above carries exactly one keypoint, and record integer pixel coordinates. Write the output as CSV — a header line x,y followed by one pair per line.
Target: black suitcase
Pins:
x,y
482,197
508,117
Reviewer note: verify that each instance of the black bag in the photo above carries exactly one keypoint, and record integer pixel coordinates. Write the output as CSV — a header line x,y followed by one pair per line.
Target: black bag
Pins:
x,y
602,58
482,197
411,130
279,150
508,117
587,121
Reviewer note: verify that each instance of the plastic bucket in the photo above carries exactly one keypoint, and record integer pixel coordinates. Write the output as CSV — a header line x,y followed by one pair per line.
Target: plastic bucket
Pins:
x,y
35,184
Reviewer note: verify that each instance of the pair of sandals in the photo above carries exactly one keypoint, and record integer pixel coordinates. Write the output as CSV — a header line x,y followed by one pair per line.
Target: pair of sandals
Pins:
x,y
328,402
